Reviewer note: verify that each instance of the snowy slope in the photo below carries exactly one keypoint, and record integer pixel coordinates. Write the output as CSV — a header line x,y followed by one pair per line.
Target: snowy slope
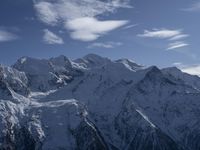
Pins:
x,y
11,78
48,125
94,103
47,74
91,61
187,78
130,64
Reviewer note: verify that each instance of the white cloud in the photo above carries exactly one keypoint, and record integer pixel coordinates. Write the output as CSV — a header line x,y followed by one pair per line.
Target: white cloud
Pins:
x,y
195,7
70,12
169,35
163,34
178,44
105,45
53,11
130,26
7,36
190,69
179,37
90,29
46,12
51,38
194,70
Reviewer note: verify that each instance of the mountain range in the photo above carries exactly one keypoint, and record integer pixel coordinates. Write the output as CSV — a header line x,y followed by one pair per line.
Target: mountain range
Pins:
x,y
94,103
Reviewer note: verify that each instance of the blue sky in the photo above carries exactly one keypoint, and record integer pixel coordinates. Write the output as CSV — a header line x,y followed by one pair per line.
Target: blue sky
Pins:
x,y
162,33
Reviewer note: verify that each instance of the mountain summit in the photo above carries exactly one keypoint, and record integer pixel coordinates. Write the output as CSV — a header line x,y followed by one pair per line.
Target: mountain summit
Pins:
x,y
94,103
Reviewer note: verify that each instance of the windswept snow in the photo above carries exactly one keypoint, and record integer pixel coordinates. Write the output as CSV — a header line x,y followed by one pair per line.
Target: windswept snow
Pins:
x,y
38,95
145,117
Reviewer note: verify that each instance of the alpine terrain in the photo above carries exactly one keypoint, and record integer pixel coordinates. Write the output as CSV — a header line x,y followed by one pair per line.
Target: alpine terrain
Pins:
x,y
94,103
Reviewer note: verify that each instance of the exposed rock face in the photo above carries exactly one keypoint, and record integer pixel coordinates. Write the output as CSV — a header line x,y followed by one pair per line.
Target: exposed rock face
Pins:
x,y
94,103
11,78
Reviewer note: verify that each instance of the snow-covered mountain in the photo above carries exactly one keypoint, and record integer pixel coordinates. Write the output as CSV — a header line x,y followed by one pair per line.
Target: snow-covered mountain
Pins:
x,y
44,75
94,103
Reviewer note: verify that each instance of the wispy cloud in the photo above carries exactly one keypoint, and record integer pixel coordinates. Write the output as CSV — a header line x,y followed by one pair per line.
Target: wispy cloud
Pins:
x,y
47,12
130,26
178,44
195,7
177,64
51,38
71,12
107,45
52,12
163,34
6,36
166,34
179,37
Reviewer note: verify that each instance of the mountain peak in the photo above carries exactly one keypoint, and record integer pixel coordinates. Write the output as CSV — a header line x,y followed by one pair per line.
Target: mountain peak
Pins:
x,y
23,60
95,58
129,64
61,57
92,56
92,61
153,73
172,69
60,61
154,69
